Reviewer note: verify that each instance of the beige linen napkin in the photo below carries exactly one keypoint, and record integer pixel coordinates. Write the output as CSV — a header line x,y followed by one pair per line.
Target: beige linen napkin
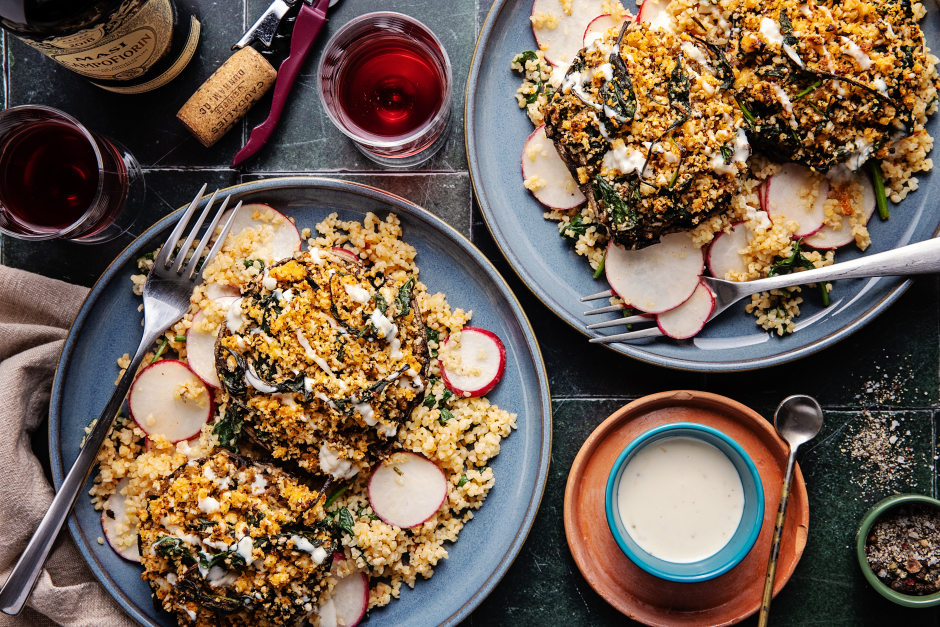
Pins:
x,y
35,314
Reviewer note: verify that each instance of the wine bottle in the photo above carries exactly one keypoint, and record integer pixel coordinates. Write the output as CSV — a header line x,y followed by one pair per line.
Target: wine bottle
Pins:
x,y
124,46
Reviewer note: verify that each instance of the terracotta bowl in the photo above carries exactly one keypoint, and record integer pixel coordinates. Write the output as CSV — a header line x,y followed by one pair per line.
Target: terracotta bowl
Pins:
x,y
724,600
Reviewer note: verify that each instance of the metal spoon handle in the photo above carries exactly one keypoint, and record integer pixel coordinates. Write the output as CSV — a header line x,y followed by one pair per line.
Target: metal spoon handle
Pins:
x,y
775,544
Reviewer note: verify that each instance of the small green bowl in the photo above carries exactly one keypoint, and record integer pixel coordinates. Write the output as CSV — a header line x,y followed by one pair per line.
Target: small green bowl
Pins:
x,y
907,600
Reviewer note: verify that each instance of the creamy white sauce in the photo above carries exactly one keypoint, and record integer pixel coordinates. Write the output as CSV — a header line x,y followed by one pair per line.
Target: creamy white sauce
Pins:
x,y
323,397
255,381
388,430
382,324
331,463
881,86
318,555
233,317
574,81
243,547
220,577
863,150
302,544
208,505
357,294
851,48
368,414
259,485
771,31
693,52
315,253
605,71
741,151
625,159
680,499
268,282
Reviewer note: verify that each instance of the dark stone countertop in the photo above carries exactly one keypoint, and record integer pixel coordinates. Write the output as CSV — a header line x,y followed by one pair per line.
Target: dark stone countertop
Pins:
x,y
889,369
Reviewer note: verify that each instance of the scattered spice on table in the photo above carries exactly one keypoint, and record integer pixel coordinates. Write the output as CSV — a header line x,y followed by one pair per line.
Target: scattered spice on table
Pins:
x,y
879,440
903,549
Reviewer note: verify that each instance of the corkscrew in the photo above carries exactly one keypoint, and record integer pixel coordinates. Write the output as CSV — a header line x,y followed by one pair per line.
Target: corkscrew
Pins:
x,y
208,121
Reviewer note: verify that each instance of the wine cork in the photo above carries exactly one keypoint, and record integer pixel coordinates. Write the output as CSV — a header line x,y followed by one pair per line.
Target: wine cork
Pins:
x,y
227,96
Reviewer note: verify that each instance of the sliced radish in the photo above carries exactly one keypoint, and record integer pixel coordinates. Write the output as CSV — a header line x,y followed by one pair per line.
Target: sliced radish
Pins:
x,y
156,411
654,13
724,252
788,194
200,346
688,318
827,237
562,43
349,602
656,278
482,351
407,489
347,253
600,25
286,236
217,290
539,158
114,512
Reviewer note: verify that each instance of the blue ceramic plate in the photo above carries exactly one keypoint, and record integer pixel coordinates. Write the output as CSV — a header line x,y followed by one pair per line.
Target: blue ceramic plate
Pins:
x,y
496,129
108,325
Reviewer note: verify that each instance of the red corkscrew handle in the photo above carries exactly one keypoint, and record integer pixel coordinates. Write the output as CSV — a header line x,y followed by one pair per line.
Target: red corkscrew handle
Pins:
x,y
309,23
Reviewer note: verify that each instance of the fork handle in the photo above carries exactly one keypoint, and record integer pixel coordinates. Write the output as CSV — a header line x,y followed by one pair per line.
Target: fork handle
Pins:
x,y
23,578
920,258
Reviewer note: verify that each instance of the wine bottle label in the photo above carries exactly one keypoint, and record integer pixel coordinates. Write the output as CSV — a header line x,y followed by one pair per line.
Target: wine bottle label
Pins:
x,y
138,34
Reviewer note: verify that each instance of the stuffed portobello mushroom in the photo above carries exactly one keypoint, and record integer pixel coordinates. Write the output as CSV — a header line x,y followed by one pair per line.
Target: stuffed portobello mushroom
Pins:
x,y
640,122
230,541
322,360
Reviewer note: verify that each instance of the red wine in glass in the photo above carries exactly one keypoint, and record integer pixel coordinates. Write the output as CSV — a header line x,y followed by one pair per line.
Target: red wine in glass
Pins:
x,y
390,87
48,176
385,82
58,179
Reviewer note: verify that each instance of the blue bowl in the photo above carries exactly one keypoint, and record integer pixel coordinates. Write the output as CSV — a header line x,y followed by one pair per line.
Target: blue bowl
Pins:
x,y
744,536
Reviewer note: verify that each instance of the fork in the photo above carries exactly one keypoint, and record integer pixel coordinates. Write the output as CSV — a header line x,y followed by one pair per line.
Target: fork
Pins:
x,y
166,294
920,258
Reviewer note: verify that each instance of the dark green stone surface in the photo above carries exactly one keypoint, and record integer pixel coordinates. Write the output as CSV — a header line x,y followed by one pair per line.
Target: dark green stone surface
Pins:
x,y
890,368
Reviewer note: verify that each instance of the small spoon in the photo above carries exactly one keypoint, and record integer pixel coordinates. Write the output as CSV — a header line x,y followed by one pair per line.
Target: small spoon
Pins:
x,y
798,419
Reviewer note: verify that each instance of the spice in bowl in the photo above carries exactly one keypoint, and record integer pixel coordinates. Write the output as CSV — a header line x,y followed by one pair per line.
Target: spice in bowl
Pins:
x,y
903,549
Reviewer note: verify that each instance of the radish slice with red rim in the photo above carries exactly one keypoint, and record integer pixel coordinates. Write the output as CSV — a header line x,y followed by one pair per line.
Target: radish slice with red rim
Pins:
x,y
656,278
156,410
114,514
215,291
561,43
286,239
349,602
827,237
407,489
724,252
346,253
688,318
540,159
600,26
482,359
200,346
789,193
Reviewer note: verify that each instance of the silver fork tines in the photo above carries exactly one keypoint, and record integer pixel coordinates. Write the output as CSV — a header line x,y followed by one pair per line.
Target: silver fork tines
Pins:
x,y
166,294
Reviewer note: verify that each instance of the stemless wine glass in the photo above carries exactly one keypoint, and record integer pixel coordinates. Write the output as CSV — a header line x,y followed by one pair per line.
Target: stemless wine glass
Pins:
x,y
60,180
385,81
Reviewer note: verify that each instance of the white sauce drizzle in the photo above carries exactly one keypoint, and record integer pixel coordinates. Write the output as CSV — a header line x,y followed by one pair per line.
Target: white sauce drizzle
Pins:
x,y
331,463
208,505
233,317
357,294
368,414
625,159
255,381
852,49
